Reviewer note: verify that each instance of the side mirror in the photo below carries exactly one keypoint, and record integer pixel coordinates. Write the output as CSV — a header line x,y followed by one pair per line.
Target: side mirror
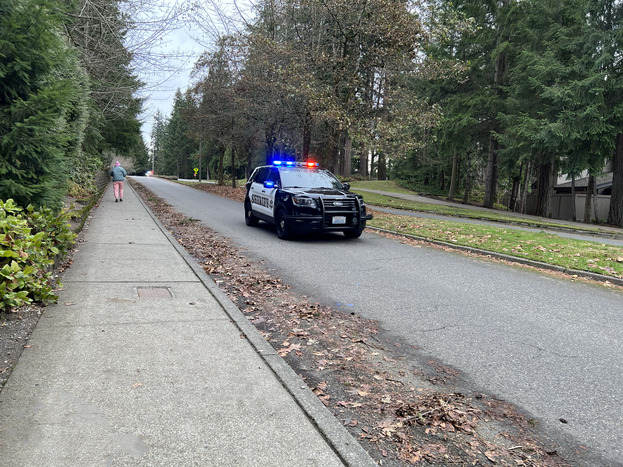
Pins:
x,y
346,186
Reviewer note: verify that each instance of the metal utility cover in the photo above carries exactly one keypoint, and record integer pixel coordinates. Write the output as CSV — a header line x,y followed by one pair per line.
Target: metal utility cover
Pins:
x,y
153,292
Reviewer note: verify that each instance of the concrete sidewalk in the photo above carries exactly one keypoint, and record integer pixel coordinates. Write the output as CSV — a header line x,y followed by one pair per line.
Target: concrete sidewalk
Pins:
x,y
144,361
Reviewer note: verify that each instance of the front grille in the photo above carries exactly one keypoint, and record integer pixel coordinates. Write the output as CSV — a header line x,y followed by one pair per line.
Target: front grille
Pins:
x,y
344,205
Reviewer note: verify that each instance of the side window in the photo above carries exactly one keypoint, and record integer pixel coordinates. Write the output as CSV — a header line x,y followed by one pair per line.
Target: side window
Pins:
x,y
261,175
273,176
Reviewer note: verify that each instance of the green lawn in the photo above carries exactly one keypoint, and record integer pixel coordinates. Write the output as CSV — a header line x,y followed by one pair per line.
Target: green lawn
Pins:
x,y
381,185
546,248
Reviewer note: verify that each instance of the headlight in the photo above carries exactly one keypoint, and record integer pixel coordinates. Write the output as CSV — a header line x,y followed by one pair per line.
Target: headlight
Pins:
x,y
302,201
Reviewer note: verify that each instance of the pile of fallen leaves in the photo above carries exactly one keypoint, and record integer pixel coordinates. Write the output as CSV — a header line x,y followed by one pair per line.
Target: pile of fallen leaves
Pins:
x,y
225,191
404,411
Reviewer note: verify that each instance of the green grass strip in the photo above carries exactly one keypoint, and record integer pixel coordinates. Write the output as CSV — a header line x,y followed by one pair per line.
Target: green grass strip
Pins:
x,y
547,248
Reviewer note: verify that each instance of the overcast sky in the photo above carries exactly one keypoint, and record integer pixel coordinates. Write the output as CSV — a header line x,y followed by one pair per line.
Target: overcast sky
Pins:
x,y
178,47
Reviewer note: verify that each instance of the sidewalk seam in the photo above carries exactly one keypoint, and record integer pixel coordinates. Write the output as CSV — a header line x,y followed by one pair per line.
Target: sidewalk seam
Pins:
x,y
350,452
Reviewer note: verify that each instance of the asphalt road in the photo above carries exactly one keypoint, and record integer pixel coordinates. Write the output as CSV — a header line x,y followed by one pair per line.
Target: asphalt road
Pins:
x,y
552,347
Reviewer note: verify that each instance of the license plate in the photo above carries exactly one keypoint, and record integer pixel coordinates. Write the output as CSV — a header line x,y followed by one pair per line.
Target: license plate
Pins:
x,y
341,220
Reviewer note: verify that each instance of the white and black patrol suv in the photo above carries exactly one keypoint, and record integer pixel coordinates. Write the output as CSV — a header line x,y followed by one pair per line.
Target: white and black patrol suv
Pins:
x,y
299,197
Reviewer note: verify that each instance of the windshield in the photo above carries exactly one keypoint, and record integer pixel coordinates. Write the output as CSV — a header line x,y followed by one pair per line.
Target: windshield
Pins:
x,y
308,178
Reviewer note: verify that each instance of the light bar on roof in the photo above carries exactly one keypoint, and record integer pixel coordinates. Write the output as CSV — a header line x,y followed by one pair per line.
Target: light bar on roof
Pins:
x,y
309,165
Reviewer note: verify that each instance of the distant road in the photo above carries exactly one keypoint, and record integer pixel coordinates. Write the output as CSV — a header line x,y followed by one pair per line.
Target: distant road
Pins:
x,y
551,346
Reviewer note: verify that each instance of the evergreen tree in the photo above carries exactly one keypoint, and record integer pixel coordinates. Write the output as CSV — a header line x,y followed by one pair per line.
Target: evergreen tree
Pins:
x,y
605,19
158,135
178,149
563,111
40,103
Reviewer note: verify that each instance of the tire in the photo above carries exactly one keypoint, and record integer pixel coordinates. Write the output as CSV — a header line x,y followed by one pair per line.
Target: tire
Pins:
x,y
281,225
355,233
249,217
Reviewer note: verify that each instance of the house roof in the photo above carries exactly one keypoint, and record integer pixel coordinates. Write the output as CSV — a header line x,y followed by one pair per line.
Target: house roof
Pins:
x,y
601,181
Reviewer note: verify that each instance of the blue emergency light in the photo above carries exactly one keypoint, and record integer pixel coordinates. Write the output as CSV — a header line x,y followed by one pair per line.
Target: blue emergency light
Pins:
x,y
309,165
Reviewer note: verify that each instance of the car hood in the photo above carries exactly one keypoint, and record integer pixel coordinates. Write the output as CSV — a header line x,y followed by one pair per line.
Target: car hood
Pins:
x,y
323,191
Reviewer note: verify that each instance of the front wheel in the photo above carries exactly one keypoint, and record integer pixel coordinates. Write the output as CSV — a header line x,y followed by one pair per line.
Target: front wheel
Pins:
x,y
249,217
283,228
355,233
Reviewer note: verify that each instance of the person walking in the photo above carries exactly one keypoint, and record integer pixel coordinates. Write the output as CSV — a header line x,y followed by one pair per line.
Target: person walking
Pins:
x,y
118,174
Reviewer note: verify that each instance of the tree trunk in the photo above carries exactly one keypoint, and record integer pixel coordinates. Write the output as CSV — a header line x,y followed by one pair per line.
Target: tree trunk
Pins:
x,y
199,161
363,162
587,201
221,172
207,167
615,213
516,190
491,179
270,145
307,123
515,183
233,168
382,168
453,176
573,213
248,168
348,153
526,188
595,206
332,153
339,154
543,198
468,177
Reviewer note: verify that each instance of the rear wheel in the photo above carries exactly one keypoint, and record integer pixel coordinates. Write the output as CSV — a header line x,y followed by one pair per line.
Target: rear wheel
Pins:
x,y
283,228
249,217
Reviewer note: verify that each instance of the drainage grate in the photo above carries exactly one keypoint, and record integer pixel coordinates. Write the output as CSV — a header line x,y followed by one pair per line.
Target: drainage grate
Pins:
x,y
154,292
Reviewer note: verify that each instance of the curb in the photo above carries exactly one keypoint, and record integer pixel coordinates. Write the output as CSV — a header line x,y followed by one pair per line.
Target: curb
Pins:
x,y
512,259
350,452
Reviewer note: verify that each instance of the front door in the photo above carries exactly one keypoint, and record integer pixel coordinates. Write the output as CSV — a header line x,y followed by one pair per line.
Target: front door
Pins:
x,y
262,194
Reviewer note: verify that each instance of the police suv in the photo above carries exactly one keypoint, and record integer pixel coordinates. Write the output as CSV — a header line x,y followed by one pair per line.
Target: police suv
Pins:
x,y
300,197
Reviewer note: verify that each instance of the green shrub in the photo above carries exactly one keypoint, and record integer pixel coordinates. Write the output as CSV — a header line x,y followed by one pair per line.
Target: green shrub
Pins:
x,y
30,241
